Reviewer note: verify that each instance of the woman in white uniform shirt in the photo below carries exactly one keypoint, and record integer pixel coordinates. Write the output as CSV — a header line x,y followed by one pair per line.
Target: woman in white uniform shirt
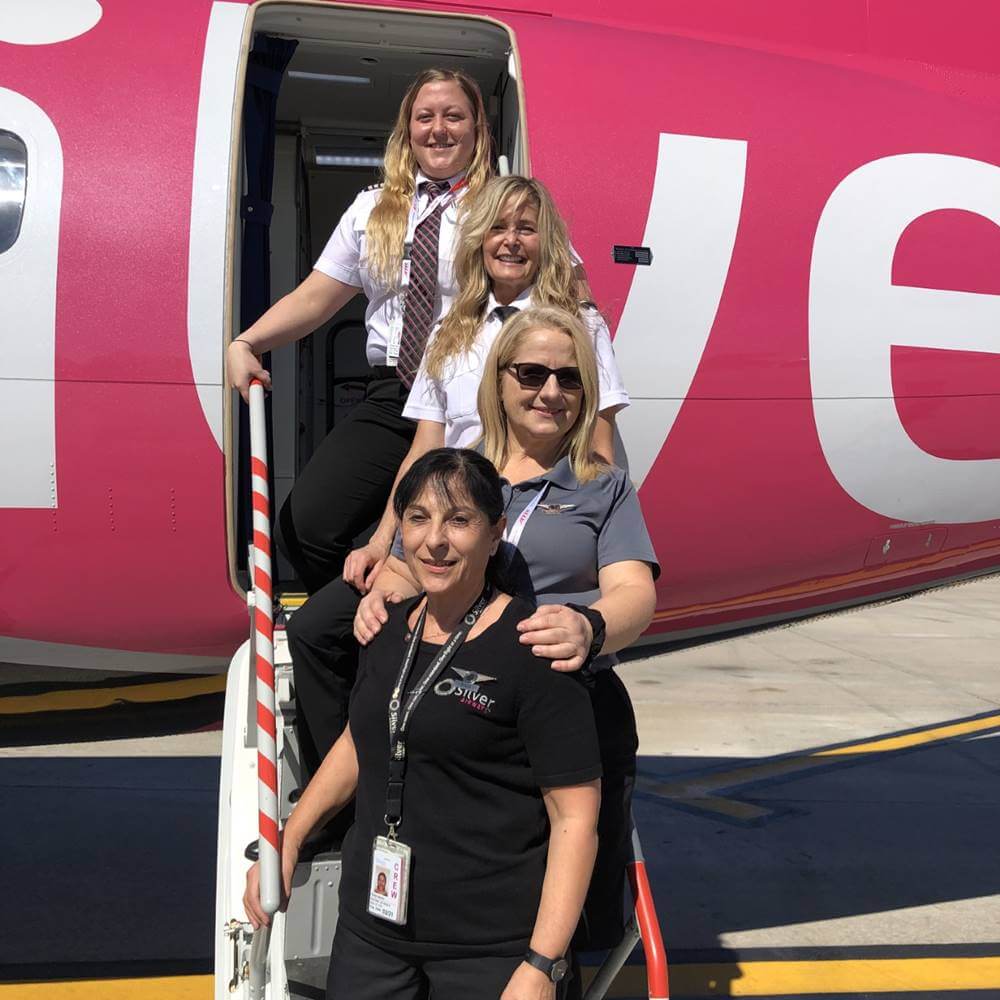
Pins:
x,y
439,152
513,252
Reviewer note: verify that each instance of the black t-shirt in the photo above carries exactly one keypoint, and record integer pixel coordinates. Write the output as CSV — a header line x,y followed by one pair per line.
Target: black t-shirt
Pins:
x,y
497,726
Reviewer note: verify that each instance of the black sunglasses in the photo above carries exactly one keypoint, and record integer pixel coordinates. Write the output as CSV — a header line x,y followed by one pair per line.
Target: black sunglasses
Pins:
x,y
533,376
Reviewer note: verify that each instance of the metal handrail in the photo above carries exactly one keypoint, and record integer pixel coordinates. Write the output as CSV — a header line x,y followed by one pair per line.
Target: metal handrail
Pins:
x,y
649,925
263,627
642,926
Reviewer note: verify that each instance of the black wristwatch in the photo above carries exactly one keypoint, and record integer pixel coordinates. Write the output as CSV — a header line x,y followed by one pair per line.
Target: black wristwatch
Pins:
x,y
554,968
597,625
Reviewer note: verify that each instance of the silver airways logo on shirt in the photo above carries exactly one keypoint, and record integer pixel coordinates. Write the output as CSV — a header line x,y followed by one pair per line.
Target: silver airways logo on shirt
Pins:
x,y
466,689
556,508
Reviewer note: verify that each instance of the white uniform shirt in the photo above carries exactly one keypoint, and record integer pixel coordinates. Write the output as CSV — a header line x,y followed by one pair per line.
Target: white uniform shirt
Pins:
x,y
451,400
344,258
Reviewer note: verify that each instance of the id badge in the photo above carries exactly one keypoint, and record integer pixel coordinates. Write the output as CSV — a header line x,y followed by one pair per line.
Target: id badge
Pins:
x,y
389,889
395,340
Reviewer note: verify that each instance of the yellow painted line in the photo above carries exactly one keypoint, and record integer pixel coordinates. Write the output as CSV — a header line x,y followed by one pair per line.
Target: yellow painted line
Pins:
x,y
698,791
293,600
887,975
76,700
167,988
916,739
737,979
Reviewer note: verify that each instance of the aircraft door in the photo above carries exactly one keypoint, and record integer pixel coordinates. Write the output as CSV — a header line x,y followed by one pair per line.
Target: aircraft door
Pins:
x,y
31,179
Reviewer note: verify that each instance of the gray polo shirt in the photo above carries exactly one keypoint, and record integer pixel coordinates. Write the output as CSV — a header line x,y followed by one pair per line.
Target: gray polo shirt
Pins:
x,y
576,530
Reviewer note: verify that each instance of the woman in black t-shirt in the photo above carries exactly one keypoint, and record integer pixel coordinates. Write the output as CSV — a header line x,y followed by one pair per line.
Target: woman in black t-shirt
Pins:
x,y
500,792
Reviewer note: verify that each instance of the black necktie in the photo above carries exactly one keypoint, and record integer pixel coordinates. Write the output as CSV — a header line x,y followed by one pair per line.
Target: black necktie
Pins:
x,y
504,313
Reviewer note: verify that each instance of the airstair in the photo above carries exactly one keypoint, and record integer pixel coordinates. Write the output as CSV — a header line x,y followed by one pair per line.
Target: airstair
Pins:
x,y
259,783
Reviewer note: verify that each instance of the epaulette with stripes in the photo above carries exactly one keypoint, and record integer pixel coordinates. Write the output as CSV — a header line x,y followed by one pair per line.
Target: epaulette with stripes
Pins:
x,y
374,187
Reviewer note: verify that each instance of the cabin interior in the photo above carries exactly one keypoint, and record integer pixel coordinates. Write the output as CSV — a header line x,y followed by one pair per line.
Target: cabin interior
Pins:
x,y
337,103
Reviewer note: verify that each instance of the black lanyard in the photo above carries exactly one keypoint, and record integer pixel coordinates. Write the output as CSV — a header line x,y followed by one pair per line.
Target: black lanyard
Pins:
x,y
399,724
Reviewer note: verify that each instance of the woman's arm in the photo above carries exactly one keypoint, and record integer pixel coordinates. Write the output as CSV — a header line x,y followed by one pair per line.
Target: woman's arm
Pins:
x,y
603,441
362,565
293,316
572,849
331,788
392,585
627,603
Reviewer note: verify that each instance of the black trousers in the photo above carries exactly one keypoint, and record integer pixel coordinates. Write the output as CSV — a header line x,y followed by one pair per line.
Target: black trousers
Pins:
x,y
360,970
324,665
343,489
602,923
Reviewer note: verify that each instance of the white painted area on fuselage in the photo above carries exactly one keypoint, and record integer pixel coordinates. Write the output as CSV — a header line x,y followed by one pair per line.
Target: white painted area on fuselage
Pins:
x,y
47,22
856,315
28,328
60,654
693,217
210,200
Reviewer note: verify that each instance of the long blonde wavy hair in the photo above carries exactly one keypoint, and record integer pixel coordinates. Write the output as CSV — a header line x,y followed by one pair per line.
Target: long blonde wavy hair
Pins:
x,y
554,285
386,230
577,442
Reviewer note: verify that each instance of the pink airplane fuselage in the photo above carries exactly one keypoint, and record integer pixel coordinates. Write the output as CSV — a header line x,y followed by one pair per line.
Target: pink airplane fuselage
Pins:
x,y
813,354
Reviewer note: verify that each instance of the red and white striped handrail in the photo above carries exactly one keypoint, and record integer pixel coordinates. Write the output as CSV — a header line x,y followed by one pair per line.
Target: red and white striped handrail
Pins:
x,y
263,624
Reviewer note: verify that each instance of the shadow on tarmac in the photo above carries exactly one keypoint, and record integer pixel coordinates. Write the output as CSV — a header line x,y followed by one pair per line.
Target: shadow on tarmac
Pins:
x,y
109,861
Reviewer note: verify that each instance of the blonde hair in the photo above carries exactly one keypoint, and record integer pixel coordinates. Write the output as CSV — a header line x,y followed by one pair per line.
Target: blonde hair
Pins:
x,y
554,283
585,464
386,230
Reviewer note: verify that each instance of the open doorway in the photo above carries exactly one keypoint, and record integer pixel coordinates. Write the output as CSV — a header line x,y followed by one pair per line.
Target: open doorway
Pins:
x,y
338,99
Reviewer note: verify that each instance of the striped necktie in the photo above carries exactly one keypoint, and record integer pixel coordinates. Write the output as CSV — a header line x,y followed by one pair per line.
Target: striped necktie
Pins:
x,y
418,314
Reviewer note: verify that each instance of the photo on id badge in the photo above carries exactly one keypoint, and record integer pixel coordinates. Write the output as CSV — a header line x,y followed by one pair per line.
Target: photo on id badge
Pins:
x,y
387,890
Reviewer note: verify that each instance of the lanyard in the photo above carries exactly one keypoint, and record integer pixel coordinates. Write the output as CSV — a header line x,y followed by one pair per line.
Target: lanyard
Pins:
x,y
514,531
416,217
399,723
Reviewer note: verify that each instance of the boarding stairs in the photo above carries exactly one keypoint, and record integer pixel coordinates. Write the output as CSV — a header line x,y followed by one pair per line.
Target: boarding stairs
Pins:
x,y
260,780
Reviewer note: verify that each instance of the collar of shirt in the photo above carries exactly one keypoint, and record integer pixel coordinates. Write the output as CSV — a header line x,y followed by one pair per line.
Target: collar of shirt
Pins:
x,y
523,301
422,178
561,474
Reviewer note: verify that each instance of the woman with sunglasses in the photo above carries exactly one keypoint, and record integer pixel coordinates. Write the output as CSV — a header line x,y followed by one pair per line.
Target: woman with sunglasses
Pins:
x,y
512,251
577,546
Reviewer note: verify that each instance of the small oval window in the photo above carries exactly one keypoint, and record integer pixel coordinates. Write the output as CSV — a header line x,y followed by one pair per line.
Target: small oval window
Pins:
x,y
13,175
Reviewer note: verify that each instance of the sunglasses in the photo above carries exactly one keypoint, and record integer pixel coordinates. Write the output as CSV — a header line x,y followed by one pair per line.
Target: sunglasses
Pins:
x,y
533,376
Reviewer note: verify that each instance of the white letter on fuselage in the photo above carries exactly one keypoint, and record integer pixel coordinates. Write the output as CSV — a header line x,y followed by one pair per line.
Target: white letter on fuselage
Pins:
x,y
693,217
856,314
28,325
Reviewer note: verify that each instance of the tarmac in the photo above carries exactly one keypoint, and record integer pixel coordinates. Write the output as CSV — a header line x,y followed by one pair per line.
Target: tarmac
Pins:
x,y
818,804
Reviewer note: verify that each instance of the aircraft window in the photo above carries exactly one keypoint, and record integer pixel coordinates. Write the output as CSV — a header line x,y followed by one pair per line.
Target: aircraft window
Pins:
x,y
13,174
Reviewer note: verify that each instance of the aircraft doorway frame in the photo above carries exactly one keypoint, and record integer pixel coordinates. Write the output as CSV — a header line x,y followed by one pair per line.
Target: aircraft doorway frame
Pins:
x,y
272,16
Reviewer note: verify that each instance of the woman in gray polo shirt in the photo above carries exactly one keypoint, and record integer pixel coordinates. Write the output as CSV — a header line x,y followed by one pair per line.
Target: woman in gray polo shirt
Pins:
x,y
578,548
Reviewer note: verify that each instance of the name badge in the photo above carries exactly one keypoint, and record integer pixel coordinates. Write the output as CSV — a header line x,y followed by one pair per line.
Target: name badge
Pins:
x,y
389,889
395,340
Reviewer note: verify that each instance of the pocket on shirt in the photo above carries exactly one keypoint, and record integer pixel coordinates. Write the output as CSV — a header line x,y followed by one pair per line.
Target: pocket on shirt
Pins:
x,y
447,286
461,389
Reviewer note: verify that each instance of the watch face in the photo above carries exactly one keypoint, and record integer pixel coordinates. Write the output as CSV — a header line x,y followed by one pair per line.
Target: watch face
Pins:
x,y
559,970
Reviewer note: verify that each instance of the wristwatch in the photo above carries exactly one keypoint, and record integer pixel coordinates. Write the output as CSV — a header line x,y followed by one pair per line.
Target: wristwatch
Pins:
x,y
554,968
597,625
